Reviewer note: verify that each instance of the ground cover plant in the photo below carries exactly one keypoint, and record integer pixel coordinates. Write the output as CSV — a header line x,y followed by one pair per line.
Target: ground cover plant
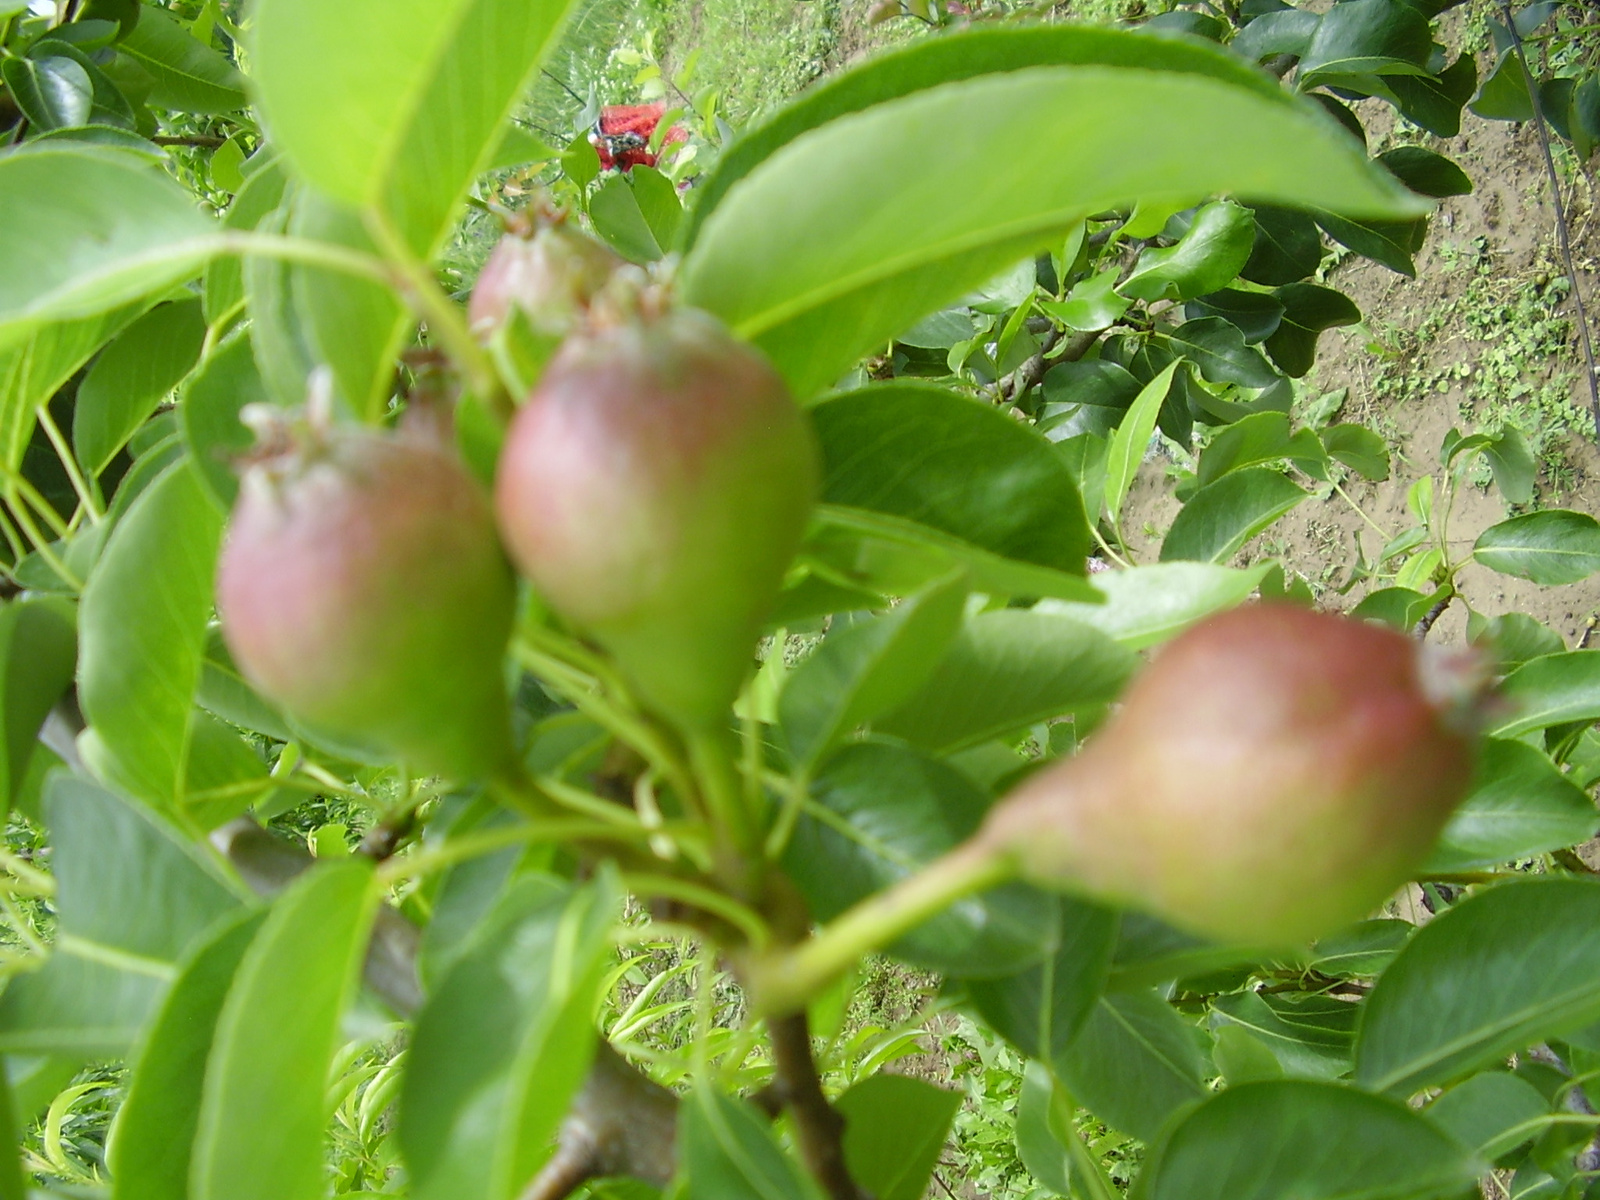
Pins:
x,y
486,722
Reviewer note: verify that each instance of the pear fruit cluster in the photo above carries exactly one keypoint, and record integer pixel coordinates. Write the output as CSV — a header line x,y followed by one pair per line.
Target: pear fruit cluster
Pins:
x,y
1275,774
654,488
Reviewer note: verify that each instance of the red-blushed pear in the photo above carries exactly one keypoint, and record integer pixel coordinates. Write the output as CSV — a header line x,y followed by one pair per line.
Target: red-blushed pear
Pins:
x,y
1273,775
362,587
545,267
654,488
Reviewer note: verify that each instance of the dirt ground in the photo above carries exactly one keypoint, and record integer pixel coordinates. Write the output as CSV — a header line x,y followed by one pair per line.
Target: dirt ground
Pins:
x,y
1508,218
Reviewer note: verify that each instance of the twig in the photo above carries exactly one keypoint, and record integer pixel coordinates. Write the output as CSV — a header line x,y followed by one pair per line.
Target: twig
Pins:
x,y
1432,615
819,1127
1026,377
1563,237
207,140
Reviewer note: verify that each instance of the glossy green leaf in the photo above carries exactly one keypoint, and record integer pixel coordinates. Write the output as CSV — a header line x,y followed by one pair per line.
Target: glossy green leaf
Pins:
x,y
866,669
955,465
1132,439
1241,1057
1551,691
1376,37
957,55
132,897
151,1154
129,232
1311,1038
1361,951
1555,546
1218,350
727,1151
285,354
1504,95
1006,670
505,1040
132,376
817,268
261,195
1287,247
1254,314
1426,173
212,431
1219,519
188,75
1520,805
1134,1063
1286,31
1039,1009
53,92
1149,604
879,811
1435,101
262,1113
1359,448
1313,1141
1097,382
1513,638
1392,243
354,325
1511,460
617,218
396,105
1515,964
1208,256
894,1130
1042,1109
1308,310
1493,1113
1253,440
143,630
38,654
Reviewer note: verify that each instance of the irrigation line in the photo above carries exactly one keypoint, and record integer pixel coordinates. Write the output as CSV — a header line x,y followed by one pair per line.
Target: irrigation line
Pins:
x,y
1562,236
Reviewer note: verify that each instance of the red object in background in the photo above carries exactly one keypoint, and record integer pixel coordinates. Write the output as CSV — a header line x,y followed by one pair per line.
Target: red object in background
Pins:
x,y
622,135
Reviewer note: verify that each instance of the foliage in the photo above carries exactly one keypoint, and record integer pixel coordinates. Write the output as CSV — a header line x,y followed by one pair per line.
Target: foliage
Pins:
x,y
991,264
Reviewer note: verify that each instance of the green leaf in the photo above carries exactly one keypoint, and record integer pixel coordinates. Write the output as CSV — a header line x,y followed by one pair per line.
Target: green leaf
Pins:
x,y
725,1150
131,377
1494,1113
1208,256
131,898
1287,247
38,655
1361,951
1132,439
129,232
1308,310
1147,605
657,198
1550,691
1092,304
261,194
354,325
396,105
1515,964
1134,1063
1371,37
1514,638
1253,314
1555,546
958,54
1310,1038
1520,805
881,811
1426,173
1312,1141
53,92
868,668
617,218
156,1126
1392,243
1217,348
35,369
955,465
1398,607
816,268
894,1129
262,1113
1504,95
1253,440
1434,102
1511,459
143,631
1041,1108
1359,448
1098,382
1004,671
1222,517
505,1041
1039,1009
188,75
209,415
1287,31
285,355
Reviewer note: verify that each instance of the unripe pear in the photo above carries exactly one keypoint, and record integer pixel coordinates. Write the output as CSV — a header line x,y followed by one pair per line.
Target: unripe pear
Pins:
x,y
362,587
552,274
654,488
1275,774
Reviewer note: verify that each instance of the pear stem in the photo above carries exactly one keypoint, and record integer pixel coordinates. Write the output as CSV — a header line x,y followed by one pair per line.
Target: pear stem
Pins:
x,y
784,982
